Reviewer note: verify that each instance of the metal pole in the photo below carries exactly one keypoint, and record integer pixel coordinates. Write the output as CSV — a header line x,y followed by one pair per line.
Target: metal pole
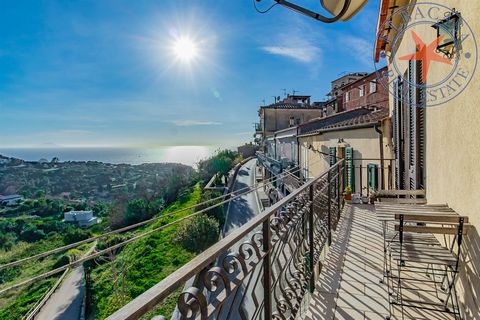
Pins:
x,y
329,195
267,270
361,182
310,239
339,193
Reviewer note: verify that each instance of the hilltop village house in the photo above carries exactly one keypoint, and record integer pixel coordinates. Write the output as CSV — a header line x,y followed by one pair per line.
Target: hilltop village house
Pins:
x,y
290,112
335,103
357,127
435,143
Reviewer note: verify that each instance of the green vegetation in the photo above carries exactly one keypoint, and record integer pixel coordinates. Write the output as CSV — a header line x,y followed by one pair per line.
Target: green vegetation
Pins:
x,y
142,264
120,195
197,235
15,305
221,162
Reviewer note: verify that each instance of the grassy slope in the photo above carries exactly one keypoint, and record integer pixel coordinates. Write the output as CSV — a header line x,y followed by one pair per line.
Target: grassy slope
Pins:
x,y
146,262
15,304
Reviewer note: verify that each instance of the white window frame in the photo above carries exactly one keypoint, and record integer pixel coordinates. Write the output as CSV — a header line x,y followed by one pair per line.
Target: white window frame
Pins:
x,y
347,96
373,86
361,90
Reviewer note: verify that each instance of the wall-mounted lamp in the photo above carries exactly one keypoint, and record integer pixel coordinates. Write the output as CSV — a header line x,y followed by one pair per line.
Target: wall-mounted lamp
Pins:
x,y
340,9
448,30
342,144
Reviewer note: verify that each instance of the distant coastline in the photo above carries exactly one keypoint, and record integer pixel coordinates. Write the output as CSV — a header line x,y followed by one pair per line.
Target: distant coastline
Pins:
x,y
188,155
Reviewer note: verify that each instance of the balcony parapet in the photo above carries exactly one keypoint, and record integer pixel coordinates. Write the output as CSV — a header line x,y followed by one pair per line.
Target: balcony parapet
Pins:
x,y
262,270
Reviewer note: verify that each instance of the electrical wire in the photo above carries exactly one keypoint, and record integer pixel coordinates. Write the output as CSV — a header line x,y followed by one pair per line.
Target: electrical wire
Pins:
x,y
263,11
137,237
137,225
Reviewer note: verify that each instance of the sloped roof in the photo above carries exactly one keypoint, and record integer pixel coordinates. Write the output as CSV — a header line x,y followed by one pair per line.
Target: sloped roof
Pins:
x,y
351,119
290,105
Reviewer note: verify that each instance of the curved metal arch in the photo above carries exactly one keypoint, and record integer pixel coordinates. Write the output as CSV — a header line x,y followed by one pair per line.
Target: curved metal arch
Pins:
x,y
313,14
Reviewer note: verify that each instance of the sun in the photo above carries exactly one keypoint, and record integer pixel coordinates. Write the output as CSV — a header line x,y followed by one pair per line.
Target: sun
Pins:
x,y
185,49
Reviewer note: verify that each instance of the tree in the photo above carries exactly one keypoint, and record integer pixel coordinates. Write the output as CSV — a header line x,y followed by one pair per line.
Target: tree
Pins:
x,y
116,213
137,211
198,234
7,240
75,235
32,234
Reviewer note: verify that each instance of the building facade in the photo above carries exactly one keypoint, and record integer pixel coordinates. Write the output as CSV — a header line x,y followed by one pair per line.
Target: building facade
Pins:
x,y
435,144
368,91
10,200
82,219
362,138
290,112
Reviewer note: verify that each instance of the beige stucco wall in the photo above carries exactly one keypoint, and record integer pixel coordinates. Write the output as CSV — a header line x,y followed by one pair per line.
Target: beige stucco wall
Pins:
x,y
453,151
279,119
365,144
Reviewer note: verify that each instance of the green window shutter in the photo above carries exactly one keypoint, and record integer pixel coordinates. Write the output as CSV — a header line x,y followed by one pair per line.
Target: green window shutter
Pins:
x,y
332,151
349,168
372,177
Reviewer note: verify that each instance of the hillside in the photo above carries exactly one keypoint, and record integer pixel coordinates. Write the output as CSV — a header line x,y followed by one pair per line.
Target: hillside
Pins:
x,y
90,180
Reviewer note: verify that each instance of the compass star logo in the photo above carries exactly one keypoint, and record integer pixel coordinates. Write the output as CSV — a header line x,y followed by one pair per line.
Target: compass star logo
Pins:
x,y
426,54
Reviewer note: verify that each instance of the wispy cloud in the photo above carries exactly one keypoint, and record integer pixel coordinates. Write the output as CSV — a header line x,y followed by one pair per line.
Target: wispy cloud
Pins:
x,y
191,123
361,49
305,54
298,43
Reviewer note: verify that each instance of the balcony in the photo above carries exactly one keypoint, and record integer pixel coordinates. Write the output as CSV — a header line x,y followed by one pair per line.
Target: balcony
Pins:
x,y
309,256
258,128
263,269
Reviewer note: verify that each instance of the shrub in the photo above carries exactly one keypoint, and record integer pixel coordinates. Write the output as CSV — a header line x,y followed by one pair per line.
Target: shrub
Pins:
x,y
217,212
63,260
74,235
32,234
7,275
198,234
7,240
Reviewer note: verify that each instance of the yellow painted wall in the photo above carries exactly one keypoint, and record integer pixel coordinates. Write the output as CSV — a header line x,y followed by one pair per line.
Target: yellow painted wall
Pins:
x,y
453,152
365,144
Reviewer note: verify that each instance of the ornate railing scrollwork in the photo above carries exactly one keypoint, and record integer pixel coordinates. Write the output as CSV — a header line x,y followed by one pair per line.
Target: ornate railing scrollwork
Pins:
x,y
285,241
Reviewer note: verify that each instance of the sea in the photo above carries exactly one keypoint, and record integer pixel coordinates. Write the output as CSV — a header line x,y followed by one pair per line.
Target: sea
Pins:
x,y
188,155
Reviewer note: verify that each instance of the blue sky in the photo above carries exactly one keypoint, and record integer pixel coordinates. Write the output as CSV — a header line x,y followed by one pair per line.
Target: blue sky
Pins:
x,y
101,73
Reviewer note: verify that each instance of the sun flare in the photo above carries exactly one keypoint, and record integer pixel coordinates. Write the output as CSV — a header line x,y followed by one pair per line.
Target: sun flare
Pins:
x,y
185,49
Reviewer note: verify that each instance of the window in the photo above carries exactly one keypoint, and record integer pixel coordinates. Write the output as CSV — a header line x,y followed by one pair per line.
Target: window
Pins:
x,y
347,96
292,121
361,92
332,151
373,86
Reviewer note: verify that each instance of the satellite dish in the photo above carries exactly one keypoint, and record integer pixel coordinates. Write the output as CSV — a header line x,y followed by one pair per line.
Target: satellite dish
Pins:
x,y
336,6
340,9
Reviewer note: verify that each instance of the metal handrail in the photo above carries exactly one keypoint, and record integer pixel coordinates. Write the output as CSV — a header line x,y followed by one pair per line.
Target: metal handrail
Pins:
x,y
159,292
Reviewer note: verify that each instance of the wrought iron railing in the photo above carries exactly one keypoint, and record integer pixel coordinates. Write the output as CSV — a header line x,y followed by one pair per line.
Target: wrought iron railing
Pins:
x,y
264,269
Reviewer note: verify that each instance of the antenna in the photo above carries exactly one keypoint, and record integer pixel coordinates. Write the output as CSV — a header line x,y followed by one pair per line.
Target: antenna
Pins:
x,y
284,93
275,98
263,101
295,91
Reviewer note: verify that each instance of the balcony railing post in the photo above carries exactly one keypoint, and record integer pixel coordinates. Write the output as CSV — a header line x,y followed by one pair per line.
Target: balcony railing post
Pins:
x,y
339,192
329,206
311,230
267,270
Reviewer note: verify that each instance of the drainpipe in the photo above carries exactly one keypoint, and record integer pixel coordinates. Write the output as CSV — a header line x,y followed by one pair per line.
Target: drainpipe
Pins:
x,y
380,141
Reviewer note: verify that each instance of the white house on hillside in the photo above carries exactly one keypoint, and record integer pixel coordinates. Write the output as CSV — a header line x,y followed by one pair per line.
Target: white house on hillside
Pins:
x,y
83,219
10,200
